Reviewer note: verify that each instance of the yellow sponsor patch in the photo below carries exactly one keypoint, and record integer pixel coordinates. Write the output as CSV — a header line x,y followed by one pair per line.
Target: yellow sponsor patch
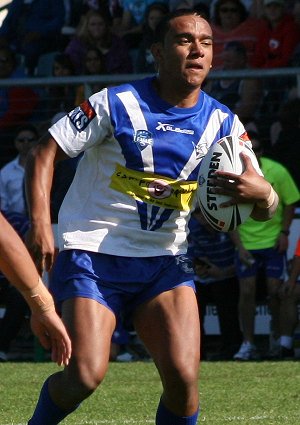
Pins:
x,y
154,189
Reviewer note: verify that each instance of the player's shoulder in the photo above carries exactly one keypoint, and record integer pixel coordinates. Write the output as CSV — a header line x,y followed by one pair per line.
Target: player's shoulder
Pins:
x,y
214,104
135,86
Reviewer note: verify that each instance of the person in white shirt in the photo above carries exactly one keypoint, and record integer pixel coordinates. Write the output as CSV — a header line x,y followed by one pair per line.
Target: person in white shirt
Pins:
x,y
12,197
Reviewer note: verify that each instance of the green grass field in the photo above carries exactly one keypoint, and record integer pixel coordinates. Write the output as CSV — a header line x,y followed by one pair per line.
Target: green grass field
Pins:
x,y
263,393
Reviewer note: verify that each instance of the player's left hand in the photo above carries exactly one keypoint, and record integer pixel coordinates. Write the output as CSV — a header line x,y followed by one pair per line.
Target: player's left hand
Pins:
x,y
248,187
52,334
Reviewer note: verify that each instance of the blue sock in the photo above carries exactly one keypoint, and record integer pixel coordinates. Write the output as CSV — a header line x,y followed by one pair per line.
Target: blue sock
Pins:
x,y
165,417
46,412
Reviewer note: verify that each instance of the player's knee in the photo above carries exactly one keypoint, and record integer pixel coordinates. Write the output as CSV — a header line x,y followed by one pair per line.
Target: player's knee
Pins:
x,y
182,376
247,292
86,378
181,390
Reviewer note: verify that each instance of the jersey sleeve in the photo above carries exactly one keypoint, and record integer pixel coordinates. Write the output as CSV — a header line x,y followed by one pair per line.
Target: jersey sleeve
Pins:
x,y
85,126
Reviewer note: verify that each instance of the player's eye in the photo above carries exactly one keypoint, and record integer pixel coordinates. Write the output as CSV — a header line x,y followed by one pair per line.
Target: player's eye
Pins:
x,y
206,43
184,40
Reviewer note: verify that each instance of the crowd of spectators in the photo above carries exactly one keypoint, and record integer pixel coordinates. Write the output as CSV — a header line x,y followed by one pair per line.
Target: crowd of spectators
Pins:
x,y
96,37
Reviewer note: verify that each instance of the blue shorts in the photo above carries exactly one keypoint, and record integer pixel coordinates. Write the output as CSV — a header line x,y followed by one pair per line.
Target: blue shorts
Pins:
x,y
119,283
269,260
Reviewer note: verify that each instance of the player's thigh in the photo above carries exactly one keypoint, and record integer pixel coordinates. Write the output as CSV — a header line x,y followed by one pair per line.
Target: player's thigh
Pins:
x,y
90,325
169,327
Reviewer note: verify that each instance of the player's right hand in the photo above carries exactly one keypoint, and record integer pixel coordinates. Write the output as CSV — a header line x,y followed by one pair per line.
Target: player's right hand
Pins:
x,y
40,243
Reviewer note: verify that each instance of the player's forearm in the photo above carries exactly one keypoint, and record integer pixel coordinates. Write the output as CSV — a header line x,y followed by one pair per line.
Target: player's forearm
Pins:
x,y
38,181
264,210
288,215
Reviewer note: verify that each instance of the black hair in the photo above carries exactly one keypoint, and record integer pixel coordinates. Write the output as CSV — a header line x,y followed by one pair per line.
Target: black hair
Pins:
x,y
164,24
239,5
203,10
64,60
27,127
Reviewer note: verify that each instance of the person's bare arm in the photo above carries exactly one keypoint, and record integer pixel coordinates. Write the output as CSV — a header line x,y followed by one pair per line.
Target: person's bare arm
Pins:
x,y
17,265
287,218
38,179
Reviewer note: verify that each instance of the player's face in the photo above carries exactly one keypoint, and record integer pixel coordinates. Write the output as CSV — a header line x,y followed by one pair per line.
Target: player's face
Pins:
x,y
186,54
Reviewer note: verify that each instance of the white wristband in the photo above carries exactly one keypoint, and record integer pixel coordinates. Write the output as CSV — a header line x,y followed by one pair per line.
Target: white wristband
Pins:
x,y
268,202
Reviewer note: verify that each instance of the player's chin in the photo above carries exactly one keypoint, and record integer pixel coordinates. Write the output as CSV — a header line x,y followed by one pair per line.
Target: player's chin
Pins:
x,y
195,78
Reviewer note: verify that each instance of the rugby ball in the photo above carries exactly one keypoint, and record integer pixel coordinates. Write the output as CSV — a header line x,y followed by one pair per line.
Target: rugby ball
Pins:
x,y
223,155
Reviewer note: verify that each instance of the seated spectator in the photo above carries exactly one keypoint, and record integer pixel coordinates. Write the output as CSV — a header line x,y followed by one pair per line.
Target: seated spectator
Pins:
x,y
213,256
181,4
115,11
278,37
263,246
61,98
133,18
242,96
95,31
31,29
16,307
94,64
154,13
17,104
231,22
253,7
12,195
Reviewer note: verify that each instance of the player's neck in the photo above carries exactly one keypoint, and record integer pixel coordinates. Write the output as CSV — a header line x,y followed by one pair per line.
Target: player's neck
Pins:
x,y
184,97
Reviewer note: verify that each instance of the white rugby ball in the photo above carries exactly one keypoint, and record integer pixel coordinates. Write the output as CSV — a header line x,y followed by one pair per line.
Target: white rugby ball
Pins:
x,y
224,155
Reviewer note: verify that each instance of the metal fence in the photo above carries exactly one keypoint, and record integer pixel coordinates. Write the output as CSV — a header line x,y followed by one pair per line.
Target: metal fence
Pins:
x,y
278,82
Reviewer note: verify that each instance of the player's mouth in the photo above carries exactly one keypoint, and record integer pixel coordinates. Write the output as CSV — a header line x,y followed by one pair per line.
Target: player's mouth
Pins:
x,y
195,66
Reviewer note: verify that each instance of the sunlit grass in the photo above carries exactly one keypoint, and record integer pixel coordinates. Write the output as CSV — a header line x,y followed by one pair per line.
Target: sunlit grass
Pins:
x,y
263,393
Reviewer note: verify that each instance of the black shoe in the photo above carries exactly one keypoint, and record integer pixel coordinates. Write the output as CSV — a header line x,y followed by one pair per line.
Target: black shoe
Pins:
x,y
286,353
222,355
281,353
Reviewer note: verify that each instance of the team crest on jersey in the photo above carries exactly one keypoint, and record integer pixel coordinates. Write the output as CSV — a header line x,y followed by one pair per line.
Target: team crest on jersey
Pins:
x,y
143,138
200,149
81,116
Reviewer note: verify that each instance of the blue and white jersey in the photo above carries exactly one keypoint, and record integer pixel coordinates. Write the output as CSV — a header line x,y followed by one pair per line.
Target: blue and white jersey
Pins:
x,y
134,187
